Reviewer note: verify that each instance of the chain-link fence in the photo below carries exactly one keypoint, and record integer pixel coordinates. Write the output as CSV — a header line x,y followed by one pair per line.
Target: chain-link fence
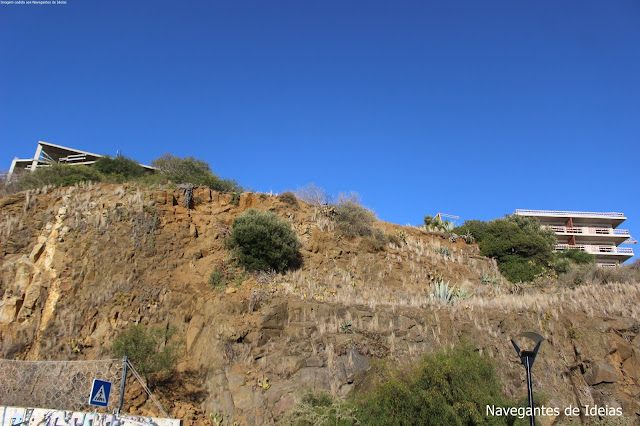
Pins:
x,y
64,385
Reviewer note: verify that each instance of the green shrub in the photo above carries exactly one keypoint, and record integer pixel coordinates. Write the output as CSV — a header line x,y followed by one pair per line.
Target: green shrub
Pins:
x,y
146,349
476,228
192,170
319,409
119,166
518,269
522,248
262,242
576,256
562,265
566,260
444,388
59,175
353,220
377,241
217,280
235,198
289,198
395,239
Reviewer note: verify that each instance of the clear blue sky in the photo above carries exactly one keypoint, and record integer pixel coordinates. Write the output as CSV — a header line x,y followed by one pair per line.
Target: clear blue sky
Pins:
x,y
464,107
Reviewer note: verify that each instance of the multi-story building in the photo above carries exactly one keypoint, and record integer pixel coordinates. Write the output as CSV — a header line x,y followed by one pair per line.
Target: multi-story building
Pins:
x,y
596,233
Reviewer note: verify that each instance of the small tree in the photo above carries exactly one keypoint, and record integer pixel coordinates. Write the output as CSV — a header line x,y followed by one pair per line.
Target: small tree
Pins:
x,y
120,166
263,242
474,227
521,246
193,170
147,349
314,195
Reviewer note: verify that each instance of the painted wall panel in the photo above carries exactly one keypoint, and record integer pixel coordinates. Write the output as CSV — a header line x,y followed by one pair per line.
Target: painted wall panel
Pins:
x,y
20,416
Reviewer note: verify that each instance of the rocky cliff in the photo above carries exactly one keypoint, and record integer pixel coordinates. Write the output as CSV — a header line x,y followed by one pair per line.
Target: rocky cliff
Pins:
x,y
80,264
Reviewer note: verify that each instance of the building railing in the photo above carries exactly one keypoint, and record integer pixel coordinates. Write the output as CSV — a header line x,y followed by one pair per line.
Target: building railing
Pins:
x,y
588,230
595,249
73,158
567,213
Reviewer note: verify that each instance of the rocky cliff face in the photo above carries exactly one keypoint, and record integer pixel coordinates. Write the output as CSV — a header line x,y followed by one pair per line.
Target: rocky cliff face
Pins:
x,y
80,264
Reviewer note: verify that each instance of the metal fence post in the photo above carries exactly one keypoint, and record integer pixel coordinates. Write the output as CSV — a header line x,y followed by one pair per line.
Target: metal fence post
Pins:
x,y
125,362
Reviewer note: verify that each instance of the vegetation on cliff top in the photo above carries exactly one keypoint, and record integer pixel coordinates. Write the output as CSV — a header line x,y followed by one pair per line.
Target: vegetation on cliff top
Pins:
x,y
170,168
523,249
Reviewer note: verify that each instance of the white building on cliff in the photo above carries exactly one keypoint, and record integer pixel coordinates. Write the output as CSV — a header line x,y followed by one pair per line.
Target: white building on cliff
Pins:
x,y
596,233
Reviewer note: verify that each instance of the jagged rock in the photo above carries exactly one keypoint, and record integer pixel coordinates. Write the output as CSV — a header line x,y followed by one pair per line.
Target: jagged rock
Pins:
x,y
38,249
631,366
160,198
8,309
601,372
31,296
247,200
621,346
314,361
195,327
275,316
12,199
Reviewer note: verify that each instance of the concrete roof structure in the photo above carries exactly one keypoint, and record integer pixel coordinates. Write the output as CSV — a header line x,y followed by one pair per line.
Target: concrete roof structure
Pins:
x,y
48,153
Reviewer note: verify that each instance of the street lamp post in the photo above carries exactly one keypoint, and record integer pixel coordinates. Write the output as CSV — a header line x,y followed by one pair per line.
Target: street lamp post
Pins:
x,y
527,358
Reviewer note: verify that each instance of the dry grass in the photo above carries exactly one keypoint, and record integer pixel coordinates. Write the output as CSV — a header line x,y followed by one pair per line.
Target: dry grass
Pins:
x,y
341,286
9,224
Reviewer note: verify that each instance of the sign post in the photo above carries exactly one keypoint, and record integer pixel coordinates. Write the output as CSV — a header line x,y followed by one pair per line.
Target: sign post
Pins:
x,y
100,391
125,361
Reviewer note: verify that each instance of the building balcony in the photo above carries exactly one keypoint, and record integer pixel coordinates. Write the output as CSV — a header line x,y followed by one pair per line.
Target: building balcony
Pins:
x,y
587,230
590,234
602,252
566,213
583,218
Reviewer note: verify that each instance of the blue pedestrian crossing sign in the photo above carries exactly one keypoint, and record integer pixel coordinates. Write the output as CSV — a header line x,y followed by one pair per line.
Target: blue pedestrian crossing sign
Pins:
x,y
100,393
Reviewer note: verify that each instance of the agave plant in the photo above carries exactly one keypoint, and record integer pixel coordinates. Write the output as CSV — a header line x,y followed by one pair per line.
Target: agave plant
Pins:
x,y
468,237
447,226
443,293
462,293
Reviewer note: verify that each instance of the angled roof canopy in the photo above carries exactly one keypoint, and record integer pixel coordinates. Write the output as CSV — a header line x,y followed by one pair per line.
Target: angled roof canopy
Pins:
x,y
49,153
